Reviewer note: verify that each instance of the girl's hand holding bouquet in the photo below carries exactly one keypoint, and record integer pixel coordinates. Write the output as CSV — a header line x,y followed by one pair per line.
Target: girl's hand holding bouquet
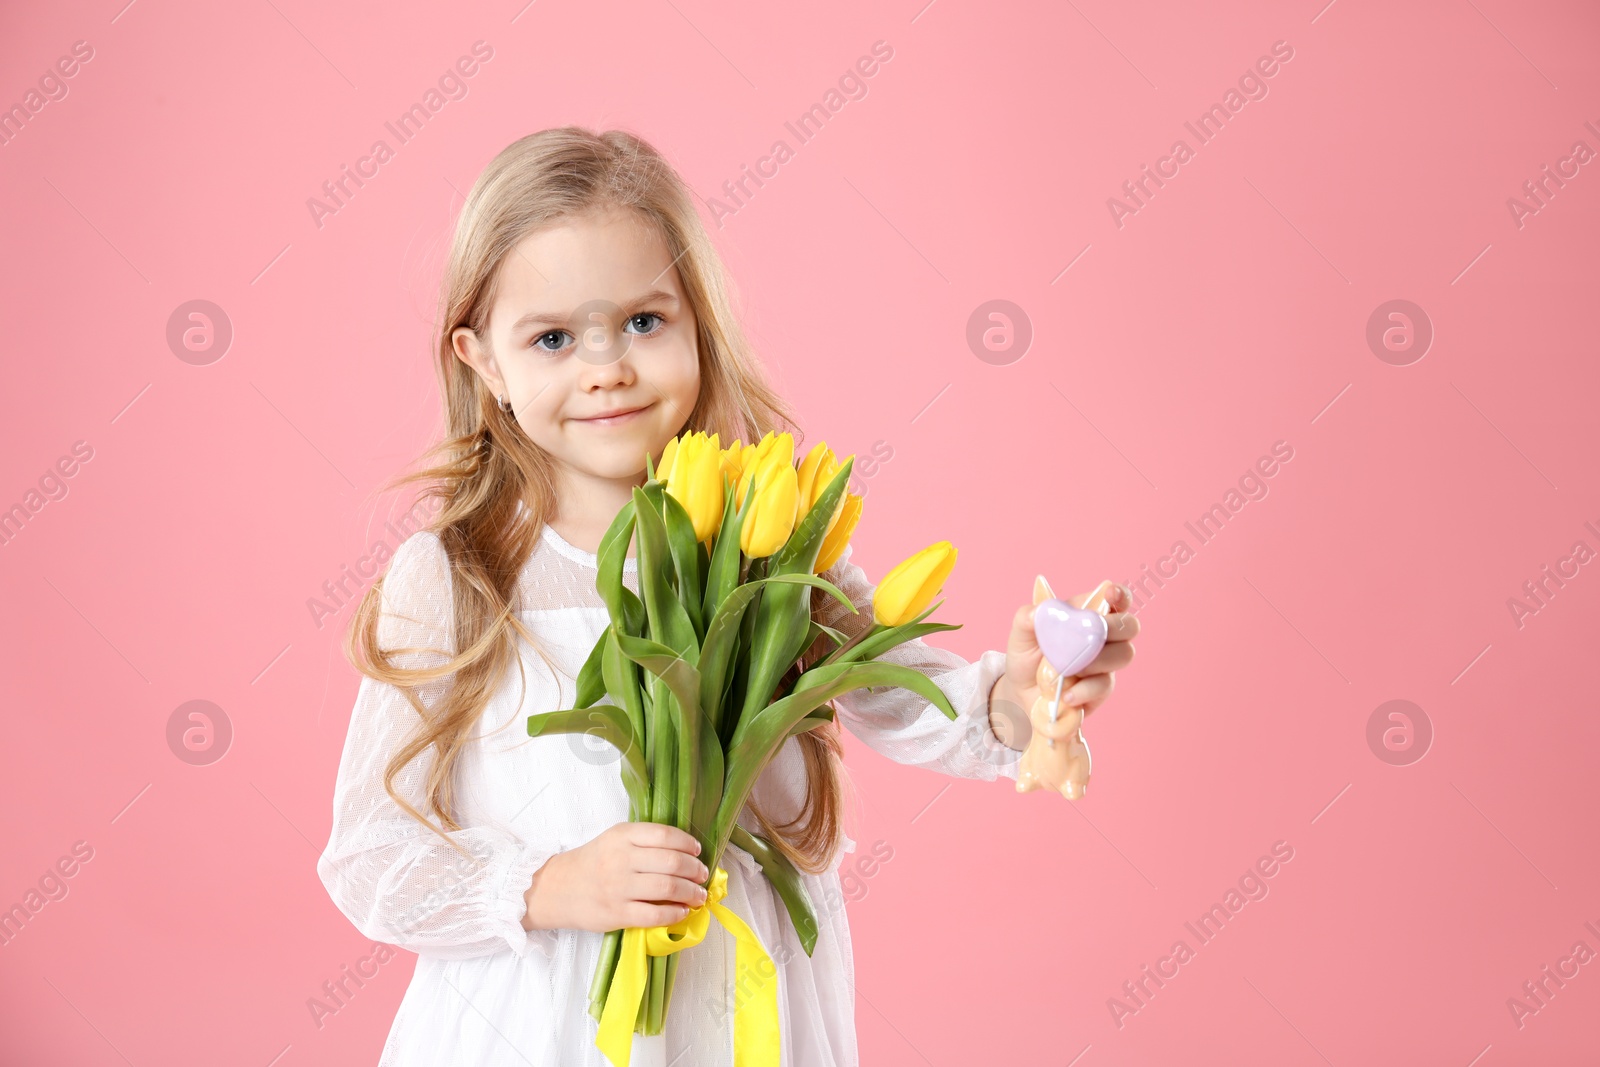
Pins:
x,y
634,874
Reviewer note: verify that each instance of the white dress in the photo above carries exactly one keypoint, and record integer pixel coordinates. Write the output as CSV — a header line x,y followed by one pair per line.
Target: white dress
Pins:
x,y
486,992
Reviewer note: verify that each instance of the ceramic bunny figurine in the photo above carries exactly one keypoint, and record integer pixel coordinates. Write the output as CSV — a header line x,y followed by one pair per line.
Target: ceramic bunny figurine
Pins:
x,y
1070,638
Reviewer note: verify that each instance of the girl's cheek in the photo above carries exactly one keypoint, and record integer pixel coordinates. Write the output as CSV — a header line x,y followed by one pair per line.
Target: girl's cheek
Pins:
x,y
688,368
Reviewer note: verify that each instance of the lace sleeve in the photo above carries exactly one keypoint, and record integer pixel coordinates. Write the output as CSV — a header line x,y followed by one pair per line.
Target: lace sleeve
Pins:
x,y
397,880
900,724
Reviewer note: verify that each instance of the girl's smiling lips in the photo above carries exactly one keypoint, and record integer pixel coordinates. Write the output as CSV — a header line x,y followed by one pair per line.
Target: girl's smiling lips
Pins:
x,y
623,415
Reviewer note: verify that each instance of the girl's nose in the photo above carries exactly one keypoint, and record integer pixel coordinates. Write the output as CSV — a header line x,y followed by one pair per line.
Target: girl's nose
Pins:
x,y
608,364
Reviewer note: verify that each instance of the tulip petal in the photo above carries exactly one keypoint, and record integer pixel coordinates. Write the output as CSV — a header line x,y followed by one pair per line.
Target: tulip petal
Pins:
x,y
664,467
838,535
912,584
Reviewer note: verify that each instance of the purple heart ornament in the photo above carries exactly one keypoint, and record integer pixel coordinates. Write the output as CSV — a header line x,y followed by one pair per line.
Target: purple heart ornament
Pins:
x,y
1069,637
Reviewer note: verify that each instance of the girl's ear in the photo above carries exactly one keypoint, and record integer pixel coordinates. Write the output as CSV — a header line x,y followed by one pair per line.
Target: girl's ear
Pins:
x,y
477,356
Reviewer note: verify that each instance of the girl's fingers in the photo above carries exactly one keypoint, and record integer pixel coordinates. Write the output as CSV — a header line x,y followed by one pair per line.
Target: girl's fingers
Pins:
x,y
1023,639
1113,657
660,888
660,835
1121,627
1117,598
1092,690
670,861
637,913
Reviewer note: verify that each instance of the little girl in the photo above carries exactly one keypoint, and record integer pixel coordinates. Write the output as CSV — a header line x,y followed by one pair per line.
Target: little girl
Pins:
x,y
585,323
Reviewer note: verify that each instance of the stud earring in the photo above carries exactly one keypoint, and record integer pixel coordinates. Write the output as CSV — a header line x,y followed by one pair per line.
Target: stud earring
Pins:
x,y
505,407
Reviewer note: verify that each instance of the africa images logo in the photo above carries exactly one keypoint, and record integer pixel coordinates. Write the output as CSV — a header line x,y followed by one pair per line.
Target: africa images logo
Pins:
x,y
451,85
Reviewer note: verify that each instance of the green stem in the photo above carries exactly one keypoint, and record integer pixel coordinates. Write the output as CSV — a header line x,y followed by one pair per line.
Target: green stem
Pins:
x,y
666,993
644,1003
605,969
656,1014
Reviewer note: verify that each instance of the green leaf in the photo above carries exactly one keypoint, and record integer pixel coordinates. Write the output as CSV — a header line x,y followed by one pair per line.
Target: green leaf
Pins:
x,y
821,717
609,724
876,673
711,775
627,613
886,637
722,635
786,880
591,678
725,720
678,671
757,738
723,573
622,682
683,680
669,622
783,618
685,557
838,637
664,769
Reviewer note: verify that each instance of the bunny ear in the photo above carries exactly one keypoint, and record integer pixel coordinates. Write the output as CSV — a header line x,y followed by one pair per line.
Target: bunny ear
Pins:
x,y
1041,591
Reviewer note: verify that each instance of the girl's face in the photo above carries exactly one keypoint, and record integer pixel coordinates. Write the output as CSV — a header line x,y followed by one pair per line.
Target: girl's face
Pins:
x,y
590,320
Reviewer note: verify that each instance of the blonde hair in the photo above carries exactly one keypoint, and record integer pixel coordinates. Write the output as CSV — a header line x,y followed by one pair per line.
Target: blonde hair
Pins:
x,y
485,464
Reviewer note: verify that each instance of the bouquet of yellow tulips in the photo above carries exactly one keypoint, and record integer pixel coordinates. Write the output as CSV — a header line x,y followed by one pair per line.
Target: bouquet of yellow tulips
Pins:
x,y
730,544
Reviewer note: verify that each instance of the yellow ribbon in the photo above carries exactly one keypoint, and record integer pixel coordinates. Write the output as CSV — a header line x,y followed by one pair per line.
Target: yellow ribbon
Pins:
x,y
755,1020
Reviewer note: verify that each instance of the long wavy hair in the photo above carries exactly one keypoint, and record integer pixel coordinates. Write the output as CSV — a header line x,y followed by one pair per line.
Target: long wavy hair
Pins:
x,y
484,464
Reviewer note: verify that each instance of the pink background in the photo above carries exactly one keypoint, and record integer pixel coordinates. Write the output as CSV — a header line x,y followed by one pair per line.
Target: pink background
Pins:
x,y
1230,312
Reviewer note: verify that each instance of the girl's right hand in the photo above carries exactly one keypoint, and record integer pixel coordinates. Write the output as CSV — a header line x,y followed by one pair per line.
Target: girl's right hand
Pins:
x,y
633,874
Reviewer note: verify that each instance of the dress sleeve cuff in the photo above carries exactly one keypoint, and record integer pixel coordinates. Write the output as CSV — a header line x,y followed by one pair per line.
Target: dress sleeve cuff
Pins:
x,y
511,903
990,751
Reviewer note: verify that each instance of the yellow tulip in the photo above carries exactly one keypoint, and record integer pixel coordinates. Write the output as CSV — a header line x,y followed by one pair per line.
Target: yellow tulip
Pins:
x,y
908,589
774,444
695,479
773,512
732,462
738,460
664,464
839,533
741,460
816,471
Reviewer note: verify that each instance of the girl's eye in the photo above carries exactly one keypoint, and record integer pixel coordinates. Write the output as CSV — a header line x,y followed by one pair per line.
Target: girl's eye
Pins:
x,y
643,324
643,321
556,336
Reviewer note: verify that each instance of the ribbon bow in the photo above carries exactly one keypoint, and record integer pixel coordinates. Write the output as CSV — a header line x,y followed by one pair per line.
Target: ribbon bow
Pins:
x,y
755,1020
